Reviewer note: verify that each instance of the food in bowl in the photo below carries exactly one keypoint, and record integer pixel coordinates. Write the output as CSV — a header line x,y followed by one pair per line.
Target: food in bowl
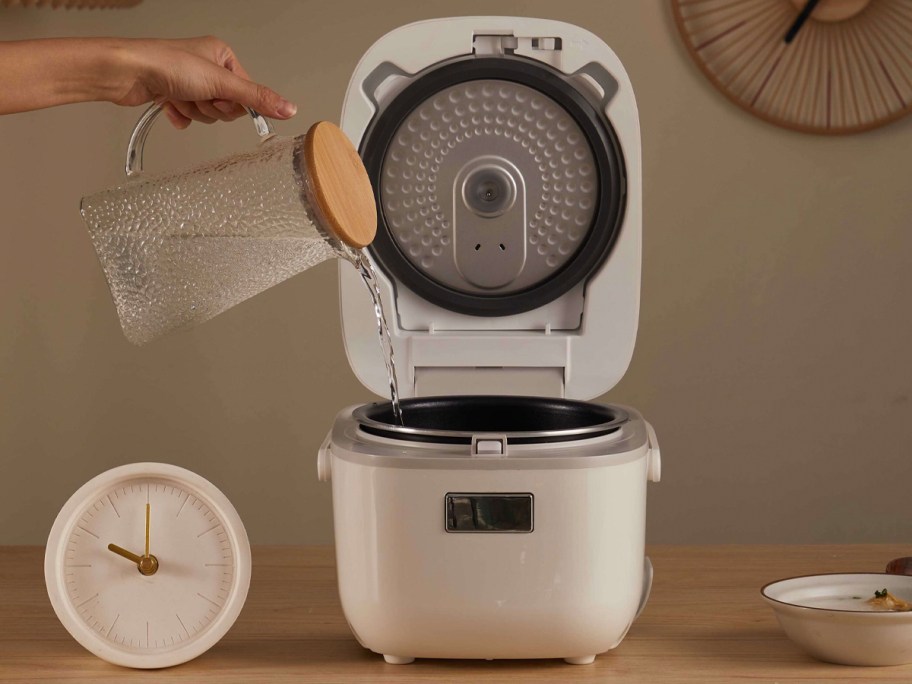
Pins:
x,y
884,600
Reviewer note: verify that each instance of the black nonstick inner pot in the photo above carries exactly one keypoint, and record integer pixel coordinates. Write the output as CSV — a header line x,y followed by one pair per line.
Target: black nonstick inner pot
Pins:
x,y
524,420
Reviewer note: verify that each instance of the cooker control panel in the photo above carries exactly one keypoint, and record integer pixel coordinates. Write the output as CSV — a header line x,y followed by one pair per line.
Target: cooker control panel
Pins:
x,y
489,512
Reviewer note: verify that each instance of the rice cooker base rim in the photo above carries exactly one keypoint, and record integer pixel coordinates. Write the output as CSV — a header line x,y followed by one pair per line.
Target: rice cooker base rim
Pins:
x,y
614,417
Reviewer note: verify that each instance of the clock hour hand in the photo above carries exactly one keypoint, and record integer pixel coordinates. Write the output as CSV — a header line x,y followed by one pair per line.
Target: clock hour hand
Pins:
x,y
147,565
799,21
126,554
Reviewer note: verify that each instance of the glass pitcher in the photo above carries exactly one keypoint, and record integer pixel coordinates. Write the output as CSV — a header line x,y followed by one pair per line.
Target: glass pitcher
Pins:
x,y
178,248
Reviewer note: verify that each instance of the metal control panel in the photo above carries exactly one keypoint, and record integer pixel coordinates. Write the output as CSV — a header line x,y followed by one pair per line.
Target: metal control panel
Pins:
x,y
489,512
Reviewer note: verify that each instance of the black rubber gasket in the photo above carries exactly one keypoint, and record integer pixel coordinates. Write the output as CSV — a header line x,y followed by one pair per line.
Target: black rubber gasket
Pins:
x,y
514,415
606,151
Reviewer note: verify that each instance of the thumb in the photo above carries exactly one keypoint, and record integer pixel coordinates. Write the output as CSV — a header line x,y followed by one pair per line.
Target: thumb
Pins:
x,y
254,95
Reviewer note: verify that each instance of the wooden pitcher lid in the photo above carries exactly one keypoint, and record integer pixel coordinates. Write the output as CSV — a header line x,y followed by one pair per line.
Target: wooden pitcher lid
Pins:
x,y
341,187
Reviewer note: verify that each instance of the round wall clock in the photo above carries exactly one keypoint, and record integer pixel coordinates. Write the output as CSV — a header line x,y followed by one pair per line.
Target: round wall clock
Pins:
x,y
818,66
147,565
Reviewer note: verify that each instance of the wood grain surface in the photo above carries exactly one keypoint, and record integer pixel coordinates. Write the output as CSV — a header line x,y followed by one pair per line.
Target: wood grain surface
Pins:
x,y
847,70
341,186
705,622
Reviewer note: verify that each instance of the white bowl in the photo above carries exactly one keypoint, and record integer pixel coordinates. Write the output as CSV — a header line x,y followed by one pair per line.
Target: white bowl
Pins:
x,y
827,616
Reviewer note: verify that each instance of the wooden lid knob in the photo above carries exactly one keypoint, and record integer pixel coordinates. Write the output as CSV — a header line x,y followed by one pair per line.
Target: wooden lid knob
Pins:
x,y
341,187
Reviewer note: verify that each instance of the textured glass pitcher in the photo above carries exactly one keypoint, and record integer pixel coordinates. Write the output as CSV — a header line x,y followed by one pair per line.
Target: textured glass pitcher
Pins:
x,y
178,248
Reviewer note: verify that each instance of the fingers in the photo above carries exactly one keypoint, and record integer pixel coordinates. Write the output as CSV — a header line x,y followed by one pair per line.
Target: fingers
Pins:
x,y
264,100
214,112
178,120
202,80
230,61
181,113
227,107
191,111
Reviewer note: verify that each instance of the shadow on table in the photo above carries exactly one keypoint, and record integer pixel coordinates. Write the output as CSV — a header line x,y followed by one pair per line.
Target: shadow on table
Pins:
x,y
346,658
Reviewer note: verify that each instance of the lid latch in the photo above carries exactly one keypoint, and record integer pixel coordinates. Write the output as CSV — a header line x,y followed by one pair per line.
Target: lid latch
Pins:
x,y
489,445
509,44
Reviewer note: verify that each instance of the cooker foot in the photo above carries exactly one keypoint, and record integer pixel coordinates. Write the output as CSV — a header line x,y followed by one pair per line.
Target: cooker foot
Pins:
x,y
398,660
582,660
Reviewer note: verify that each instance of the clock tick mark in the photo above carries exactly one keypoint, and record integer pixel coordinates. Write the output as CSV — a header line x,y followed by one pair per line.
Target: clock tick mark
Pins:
x,y
111,628
182,624
182,506
207,599
86,601
207,531
88,531
111,501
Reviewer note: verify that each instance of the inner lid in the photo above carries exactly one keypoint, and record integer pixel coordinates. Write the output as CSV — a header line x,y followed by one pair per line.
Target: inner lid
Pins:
x,y
489,186
500,186
340,185
523,420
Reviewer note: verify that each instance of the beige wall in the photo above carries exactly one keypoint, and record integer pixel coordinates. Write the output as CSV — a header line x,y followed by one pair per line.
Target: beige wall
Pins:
x,y
774,346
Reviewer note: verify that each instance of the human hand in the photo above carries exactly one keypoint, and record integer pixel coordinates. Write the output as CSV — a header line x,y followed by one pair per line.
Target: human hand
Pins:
x,y
195,79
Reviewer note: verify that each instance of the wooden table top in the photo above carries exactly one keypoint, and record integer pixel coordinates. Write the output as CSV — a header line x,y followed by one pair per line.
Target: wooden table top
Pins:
x,y
705,622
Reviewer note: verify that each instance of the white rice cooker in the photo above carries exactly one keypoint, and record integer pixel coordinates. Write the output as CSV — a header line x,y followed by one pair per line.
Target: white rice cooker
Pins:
x,y
506,517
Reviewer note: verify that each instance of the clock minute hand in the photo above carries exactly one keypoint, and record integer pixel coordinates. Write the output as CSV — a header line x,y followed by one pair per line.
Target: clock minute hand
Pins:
x,y
799,21
147,554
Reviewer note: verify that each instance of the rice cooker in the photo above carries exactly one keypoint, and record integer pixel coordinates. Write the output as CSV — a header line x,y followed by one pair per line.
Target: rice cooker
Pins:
x,y
505,518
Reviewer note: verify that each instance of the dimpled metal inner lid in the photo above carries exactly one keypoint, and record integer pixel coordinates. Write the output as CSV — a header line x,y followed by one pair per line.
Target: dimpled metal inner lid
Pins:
x,y
489,141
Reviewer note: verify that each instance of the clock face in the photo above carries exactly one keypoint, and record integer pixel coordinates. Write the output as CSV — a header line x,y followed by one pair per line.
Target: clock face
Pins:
x,y
148,565
819,66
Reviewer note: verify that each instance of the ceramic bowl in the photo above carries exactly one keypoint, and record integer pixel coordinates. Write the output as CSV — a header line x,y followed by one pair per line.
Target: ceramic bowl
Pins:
x,y
829,617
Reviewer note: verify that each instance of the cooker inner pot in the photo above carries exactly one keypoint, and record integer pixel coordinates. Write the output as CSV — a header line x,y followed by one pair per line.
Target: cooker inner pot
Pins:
x,y
525,420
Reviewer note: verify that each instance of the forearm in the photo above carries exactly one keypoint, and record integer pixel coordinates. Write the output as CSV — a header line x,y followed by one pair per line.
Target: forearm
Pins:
x,y
194,78
35,74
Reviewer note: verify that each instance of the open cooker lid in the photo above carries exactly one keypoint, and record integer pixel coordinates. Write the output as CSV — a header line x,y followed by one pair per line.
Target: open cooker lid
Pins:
x,y
505,156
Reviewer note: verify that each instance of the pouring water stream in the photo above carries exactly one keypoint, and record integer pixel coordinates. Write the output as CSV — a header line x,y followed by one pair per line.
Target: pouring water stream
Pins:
x,y
369,276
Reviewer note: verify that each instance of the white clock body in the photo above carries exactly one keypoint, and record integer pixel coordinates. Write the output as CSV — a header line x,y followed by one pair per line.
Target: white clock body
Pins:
x,y
194,595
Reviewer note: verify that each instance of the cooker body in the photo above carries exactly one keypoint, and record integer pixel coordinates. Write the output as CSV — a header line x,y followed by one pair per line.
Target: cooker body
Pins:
x,y
536,553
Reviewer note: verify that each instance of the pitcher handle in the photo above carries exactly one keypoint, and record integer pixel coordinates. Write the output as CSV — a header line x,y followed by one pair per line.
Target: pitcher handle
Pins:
x,y
137,142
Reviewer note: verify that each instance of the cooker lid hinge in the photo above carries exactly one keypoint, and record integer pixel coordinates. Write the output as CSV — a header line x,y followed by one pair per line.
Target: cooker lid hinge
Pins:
x,y
447,363
437,381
